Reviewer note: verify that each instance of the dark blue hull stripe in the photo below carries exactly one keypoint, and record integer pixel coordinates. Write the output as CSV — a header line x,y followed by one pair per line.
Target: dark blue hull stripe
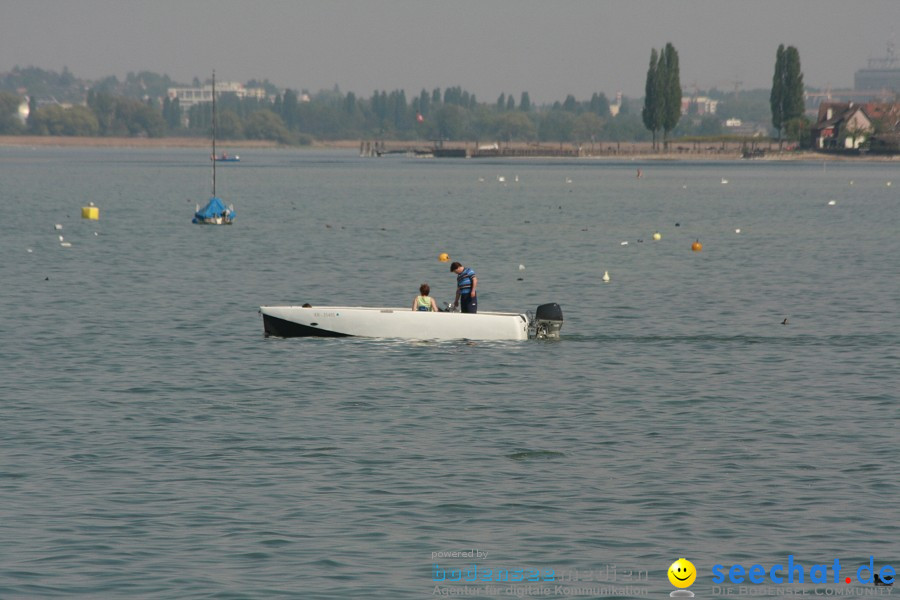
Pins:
x,y
280,328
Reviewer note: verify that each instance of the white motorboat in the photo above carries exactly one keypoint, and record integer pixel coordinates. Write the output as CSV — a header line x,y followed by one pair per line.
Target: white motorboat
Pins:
x,y
403,323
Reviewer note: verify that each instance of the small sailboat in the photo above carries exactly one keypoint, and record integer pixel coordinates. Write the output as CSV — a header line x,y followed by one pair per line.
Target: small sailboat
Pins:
x,y
215,212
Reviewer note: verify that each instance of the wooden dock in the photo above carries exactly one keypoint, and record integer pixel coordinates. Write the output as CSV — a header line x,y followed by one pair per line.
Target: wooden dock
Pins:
x,y
528,152
470,150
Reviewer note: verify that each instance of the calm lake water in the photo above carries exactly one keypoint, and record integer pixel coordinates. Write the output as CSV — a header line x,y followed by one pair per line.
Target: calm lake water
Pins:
x,y
153,444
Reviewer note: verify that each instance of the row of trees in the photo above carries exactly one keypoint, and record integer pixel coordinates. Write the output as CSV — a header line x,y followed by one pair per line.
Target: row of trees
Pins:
x,y
332,115
449,114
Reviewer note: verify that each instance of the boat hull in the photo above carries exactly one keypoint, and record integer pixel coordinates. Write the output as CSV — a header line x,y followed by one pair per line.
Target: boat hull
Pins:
x,y
211,221
398,323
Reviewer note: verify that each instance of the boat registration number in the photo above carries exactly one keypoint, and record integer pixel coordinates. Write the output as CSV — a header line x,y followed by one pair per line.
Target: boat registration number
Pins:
x,y
324,314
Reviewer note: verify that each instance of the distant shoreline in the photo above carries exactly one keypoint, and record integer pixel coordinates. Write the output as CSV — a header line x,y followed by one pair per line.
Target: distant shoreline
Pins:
x,y
629,150
124,142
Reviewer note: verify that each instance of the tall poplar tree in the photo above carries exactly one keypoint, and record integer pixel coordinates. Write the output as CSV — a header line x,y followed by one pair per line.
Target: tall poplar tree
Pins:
x,y
424,103
525,102
651,113
786,99
793,80
671,109
289,109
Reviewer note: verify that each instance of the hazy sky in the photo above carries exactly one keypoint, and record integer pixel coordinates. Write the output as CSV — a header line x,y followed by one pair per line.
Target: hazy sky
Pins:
x,y
547,48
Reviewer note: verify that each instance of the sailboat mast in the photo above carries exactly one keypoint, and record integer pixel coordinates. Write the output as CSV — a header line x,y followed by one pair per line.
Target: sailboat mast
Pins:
x,y
214,130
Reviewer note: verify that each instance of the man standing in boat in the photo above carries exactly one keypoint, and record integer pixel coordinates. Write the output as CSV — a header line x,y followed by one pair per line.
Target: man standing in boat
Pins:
x,y
466,282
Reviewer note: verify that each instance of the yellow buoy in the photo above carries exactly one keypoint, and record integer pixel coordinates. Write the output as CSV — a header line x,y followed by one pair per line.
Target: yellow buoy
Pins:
x,y
443,257
697,246
90,212
657,236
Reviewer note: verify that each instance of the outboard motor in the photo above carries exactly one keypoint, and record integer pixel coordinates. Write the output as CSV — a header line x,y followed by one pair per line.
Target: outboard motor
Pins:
x,y
546,322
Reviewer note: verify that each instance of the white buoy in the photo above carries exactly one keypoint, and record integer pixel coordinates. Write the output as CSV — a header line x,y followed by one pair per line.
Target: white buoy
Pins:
x,y
501,178
738,230
568,180
521,267
30,250
95,233
66,244
624,244
605,276
657,236
61,238
888,184
517,179
57,227
832,202
724,181
851,182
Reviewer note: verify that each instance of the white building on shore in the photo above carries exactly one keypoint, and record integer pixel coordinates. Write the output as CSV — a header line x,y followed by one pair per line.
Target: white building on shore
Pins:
x,y
189,96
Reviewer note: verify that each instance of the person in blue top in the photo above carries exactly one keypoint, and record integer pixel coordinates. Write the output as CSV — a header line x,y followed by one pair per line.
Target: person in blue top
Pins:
x,y
466,284
423,301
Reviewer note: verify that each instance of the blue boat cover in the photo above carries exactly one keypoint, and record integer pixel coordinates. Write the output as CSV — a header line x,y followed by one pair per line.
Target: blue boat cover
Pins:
x,y
214,208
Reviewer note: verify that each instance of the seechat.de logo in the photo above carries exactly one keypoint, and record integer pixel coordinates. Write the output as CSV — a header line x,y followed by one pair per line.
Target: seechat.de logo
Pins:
x,y
794,572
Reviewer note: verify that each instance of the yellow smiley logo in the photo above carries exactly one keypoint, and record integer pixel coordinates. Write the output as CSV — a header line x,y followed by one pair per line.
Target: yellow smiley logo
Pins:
x,y
682,573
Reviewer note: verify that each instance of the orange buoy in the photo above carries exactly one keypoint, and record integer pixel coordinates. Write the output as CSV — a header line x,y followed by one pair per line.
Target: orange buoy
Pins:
x,y
697,246
444,257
